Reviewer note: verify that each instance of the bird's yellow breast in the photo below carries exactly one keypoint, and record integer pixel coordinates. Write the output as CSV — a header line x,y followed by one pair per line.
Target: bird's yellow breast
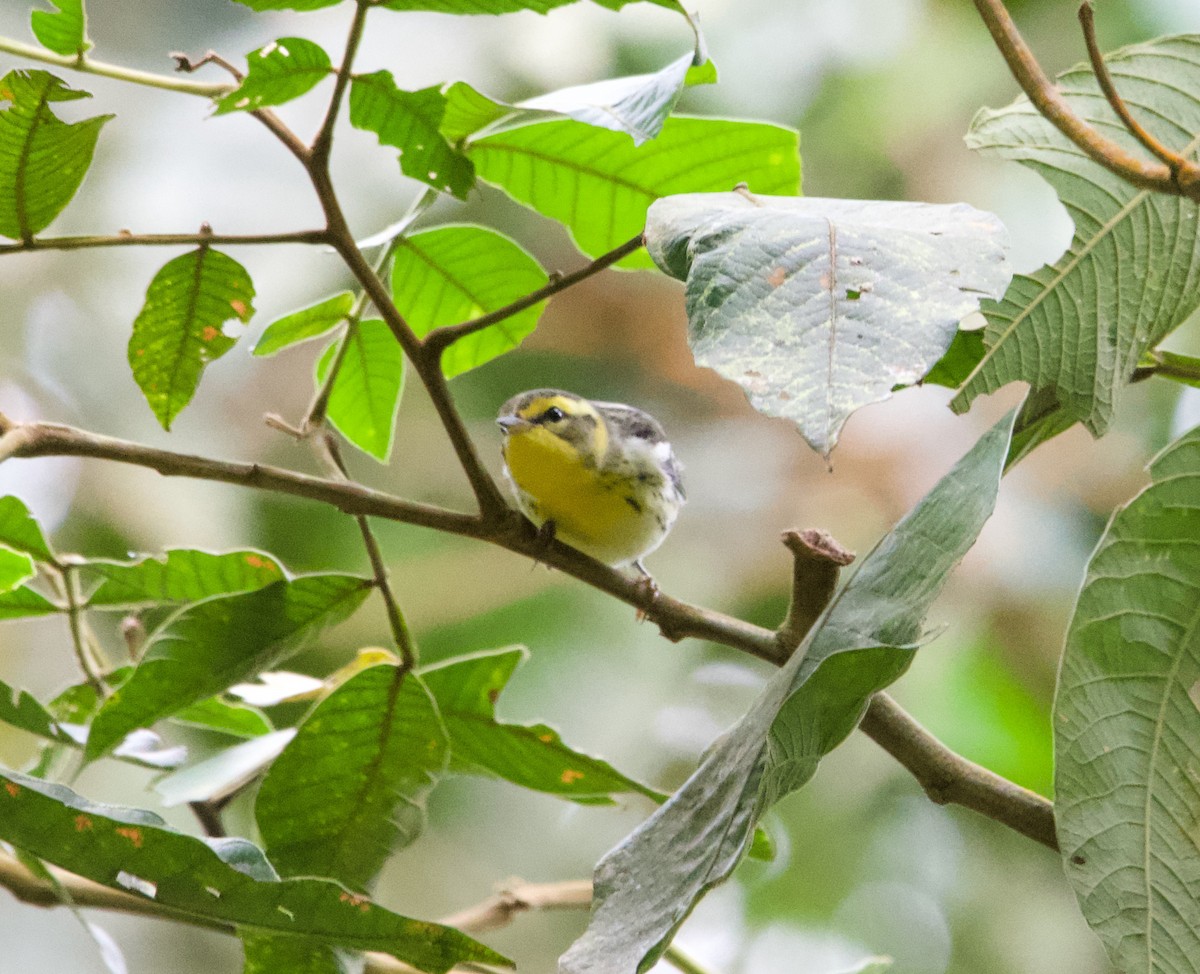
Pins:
x,y
597,514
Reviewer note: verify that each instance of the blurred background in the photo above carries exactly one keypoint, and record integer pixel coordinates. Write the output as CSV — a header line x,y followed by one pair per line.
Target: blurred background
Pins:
x,y
882,91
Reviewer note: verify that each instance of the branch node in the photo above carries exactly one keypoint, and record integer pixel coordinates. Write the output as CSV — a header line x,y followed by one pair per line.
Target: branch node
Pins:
x,y
817,561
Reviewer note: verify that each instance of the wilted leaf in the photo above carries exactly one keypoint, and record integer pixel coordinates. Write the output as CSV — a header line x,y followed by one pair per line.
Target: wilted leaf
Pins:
x,y
180,328
816,307
1126,731
42,159
647,885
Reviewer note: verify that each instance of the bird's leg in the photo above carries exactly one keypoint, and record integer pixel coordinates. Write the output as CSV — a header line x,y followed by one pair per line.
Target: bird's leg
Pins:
x,y
543,539
646,588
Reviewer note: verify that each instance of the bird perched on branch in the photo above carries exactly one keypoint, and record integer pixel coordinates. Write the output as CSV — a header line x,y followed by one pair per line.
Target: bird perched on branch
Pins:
x,y
601,476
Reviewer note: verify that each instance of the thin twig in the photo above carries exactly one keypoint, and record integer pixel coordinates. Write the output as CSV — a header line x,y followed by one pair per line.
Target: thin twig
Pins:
x,y
922,754
438,340
126,239
208,814
324,139
1087,20
1049,101
679,960
90,666
402,636
88,66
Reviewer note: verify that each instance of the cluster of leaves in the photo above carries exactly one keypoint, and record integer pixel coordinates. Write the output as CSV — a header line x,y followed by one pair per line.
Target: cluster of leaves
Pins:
x,y
816,307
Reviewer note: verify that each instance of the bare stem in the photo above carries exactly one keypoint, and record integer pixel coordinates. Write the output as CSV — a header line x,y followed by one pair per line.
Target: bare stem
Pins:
x,y
91,667
323,142
1087,20
438,340
1049,101
817,562
88,66
126,239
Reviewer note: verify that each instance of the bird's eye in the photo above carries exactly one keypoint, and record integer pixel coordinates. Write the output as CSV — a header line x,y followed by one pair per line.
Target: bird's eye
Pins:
x,y
553,415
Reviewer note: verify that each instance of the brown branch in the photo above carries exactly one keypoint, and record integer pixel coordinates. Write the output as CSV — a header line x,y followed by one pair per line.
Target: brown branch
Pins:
x,y
817,561
1049,101
949,778
1087,20
126,239
323,142
438,340
923,755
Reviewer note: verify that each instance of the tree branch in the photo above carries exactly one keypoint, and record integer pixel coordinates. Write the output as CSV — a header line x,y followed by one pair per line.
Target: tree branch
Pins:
x,y
88,66
949,778
930,761
1047,99
438,340
323,142
126,239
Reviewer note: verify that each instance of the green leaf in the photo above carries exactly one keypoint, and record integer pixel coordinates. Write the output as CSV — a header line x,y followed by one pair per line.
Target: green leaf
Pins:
x,y
637,105
42,159
349,789
63,30
1127,726
180,327
235,719
817,307
1075,330
366,392
647,885
300,326
178,576
213,644
292,955
224,880
224,773
24,603
599,185
410,121
21,709
280,71
529,755
454,273
956,364
20,531
15,568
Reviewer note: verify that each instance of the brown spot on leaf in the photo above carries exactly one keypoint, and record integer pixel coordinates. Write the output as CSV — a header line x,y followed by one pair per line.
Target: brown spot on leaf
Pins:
x,y
209,333
134,836
1078,860
785,395
570,776
777,277
239,308
83,823
359,902
493,695
140,352
12,789
546,738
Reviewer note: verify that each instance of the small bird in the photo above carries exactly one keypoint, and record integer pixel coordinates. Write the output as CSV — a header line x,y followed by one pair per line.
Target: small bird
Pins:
x,y
601,476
